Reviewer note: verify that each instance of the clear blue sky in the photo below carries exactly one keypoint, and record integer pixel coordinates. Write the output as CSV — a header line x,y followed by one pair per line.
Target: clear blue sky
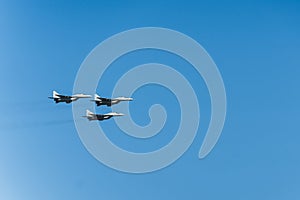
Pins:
x,y
256,46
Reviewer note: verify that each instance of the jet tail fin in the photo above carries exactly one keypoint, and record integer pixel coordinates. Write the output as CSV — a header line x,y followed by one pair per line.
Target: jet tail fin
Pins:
x,y
54,93
96,97
88,113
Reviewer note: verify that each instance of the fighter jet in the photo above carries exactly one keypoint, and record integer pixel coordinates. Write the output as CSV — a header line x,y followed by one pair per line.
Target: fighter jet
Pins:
x,y
67,99
100,117
109,102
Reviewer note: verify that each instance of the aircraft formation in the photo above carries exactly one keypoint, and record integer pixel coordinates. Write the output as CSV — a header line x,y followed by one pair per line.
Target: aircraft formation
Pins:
x,y
59,98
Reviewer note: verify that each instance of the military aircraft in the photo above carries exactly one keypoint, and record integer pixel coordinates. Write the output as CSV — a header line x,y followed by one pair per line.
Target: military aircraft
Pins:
x,y
109,102
100,117
67,99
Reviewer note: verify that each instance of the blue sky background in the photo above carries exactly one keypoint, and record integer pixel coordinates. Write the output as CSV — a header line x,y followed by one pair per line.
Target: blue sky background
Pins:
x,y
256,46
